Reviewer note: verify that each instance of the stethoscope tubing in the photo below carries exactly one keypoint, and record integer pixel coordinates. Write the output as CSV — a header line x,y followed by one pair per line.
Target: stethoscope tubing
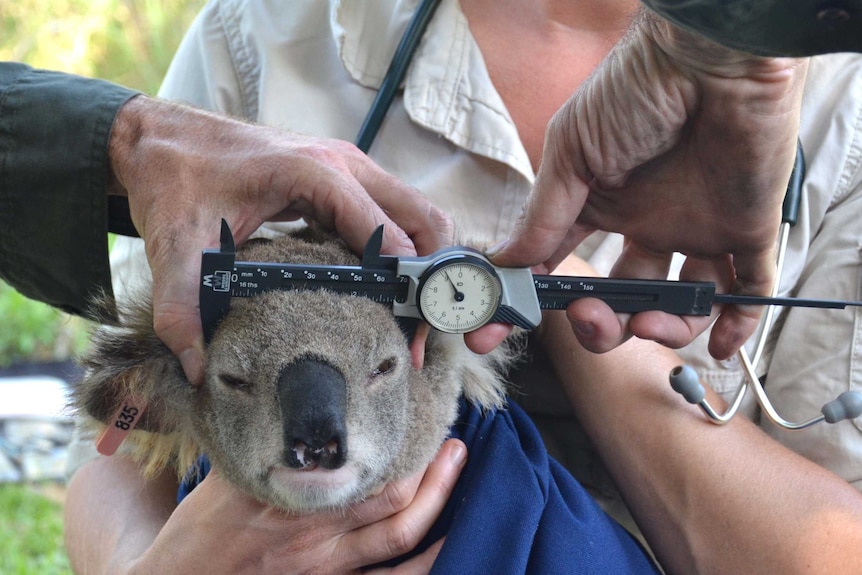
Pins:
x,y
395,74
684,380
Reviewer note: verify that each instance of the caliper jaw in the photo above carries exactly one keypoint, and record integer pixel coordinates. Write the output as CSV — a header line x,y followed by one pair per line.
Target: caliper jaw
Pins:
x,y
216,274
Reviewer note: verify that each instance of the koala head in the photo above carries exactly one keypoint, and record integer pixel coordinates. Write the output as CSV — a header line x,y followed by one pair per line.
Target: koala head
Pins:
x,y
310,399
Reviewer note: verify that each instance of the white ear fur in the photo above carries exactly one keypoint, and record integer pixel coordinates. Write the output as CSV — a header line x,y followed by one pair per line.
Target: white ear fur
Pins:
x,y
483,376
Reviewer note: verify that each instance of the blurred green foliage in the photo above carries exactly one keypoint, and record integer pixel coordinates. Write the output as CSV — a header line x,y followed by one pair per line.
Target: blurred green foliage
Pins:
x,y
130,42
32,331
31,534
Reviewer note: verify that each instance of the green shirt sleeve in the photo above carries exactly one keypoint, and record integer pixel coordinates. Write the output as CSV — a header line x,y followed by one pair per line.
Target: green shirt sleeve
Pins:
x,y
54,131
771,27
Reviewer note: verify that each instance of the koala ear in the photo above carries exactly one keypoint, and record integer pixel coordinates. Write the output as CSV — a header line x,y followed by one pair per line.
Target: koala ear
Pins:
x,y
127,364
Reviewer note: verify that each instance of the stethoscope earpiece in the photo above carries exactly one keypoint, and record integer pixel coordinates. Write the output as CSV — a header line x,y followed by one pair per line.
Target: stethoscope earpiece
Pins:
x,y
684,381
848,405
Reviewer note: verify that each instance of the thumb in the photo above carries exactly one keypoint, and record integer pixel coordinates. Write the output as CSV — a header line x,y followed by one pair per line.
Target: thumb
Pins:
x,y
546,232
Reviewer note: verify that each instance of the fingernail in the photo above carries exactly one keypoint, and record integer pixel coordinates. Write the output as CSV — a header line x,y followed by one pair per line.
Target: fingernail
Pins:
x,y
496,249
584,328
457,454
192,365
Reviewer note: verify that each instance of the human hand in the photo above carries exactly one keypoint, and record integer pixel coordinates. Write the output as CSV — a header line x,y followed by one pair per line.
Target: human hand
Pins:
x,y
185,169
680,145
585,313
221,530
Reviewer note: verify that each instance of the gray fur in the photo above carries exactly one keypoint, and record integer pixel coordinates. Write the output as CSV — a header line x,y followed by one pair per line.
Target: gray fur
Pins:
x,y
396,416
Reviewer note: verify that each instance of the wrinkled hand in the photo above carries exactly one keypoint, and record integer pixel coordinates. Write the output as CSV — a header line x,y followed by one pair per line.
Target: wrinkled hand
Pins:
x,y
680,145
185,169
218,529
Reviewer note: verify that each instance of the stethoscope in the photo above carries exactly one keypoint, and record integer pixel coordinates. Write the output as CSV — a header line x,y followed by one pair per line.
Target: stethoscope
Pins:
x,y
684,378
685,381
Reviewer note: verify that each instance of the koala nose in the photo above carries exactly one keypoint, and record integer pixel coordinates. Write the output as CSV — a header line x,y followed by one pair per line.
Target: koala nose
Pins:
x,y
313,398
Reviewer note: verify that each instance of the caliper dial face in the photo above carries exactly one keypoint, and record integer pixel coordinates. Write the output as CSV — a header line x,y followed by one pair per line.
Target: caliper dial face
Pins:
x,y
459,294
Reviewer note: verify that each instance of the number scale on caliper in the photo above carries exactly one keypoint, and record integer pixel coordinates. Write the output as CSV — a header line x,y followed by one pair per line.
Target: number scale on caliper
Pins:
x,y
455,290
630,296
252,278
223,278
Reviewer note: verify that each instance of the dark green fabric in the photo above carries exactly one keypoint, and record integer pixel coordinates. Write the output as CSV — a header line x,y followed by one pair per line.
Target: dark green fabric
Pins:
x,y
54,131
771,27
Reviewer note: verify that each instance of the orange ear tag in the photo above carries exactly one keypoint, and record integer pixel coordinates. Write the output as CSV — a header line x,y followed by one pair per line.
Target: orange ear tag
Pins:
x,y
120,426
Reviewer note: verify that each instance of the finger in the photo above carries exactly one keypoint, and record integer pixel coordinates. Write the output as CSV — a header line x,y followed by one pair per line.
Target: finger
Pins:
x,y
638,261
678,331
487,337
429,228
418,565
732,329
326,186
175,264
411,224
755,275
672,331
402,531
546,231
417,344
596,326
339,202
594,323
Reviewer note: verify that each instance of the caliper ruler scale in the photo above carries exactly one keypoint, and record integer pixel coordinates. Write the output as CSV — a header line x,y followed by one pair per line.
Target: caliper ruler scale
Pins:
x,y
456,289
627,296
223,278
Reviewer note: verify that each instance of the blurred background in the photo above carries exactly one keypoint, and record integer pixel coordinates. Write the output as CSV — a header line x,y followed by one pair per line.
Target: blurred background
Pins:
x,y
130,42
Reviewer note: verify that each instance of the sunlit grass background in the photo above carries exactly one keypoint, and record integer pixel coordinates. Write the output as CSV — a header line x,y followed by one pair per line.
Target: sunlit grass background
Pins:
x,y
130,42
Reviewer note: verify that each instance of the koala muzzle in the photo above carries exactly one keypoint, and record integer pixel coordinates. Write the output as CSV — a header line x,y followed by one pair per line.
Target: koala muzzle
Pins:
x,y
313,398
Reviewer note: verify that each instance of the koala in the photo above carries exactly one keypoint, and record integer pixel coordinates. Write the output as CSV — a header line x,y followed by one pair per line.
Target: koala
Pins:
x,y
311,400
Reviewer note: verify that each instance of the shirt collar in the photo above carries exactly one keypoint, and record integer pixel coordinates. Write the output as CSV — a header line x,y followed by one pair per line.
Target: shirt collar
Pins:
x,y
447,88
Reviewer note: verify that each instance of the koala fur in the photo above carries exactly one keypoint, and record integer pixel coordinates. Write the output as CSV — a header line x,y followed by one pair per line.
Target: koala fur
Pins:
x,y
310,398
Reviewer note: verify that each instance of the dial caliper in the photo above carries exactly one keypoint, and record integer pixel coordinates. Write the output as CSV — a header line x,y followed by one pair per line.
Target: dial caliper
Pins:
x,y
455,290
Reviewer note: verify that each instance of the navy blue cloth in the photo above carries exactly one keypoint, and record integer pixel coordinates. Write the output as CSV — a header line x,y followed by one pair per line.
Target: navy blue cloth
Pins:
x,y
517,510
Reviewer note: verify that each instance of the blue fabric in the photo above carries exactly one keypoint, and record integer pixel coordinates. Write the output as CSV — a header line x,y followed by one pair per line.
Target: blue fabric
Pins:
x,y
194,476
517,510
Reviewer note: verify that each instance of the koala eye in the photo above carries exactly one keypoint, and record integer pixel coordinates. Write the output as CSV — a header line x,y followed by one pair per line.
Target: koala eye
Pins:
x,y
384,367
234,382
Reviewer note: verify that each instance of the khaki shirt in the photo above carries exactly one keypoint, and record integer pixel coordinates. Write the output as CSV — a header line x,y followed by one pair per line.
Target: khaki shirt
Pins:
x,y
313,66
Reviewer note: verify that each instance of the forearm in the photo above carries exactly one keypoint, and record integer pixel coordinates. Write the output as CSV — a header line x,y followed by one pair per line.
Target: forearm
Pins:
x,y
708,499
113,515
54,131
